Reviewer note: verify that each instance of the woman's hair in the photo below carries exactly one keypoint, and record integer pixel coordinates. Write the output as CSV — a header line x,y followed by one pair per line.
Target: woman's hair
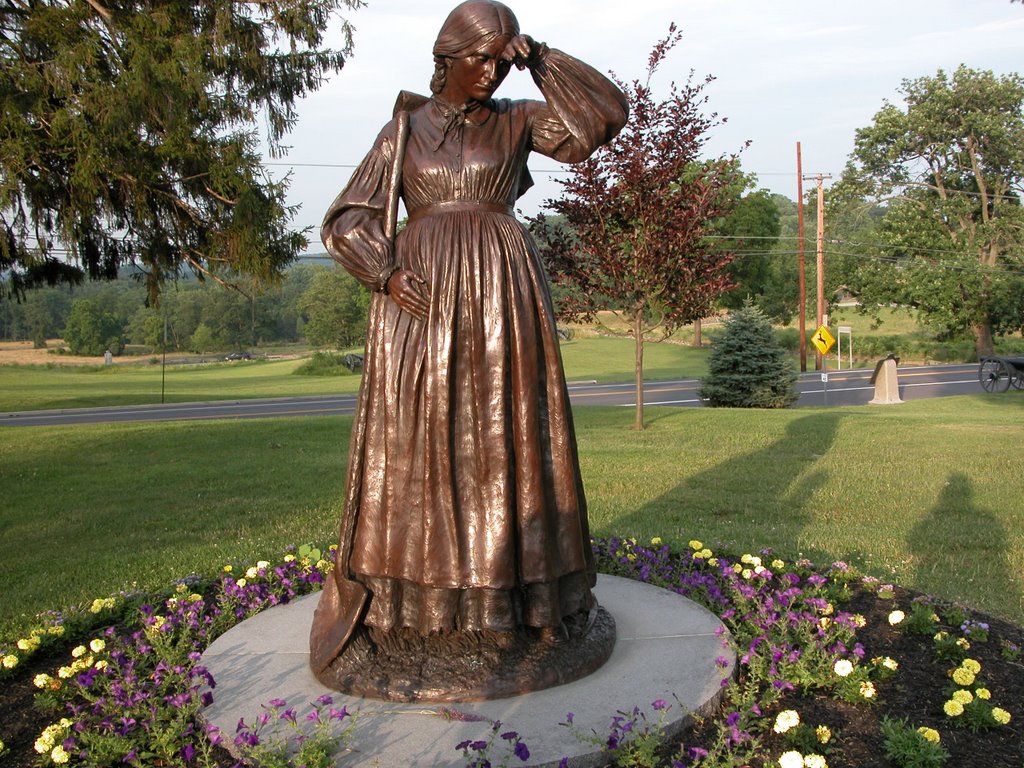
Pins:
x,y
468,28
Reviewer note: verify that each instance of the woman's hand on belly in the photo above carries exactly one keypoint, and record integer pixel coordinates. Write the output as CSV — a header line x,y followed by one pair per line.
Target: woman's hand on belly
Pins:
x,y
409,291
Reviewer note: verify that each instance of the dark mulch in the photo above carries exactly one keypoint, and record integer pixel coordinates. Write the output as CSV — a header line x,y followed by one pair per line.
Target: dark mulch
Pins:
x,y
916,692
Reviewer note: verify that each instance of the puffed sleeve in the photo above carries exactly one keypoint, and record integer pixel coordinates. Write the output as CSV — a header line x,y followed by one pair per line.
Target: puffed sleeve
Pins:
x,y
583,109
353,229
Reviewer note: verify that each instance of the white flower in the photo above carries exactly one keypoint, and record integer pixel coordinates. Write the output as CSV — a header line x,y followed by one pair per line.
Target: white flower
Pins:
x,y
843,667
786,721
896,617
791,759
815,761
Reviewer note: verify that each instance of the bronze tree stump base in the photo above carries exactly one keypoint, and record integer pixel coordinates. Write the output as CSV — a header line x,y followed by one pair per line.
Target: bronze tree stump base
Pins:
x,y
468,666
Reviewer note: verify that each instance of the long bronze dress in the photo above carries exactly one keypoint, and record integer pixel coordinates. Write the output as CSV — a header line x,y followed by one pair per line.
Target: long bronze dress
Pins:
x,y
463,472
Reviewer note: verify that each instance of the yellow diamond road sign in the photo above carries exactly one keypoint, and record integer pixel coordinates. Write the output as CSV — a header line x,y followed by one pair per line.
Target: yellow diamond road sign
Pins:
x,y
823,340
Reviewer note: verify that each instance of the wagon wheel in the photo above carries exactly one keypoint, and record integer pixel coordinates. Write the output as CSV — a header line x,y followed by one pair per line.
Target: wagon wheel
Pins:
x,y
994,375
1017,379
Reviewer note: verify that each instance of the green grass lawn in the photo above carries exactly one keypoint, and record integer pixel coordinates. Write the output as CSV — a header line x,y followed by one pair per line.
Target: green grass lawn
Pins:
x,y
25,388
926,494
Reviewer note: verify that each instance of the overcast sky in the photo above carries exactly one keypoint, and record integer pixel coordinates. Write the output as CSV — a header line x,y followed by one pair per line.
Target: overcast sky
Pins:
x,y
786,71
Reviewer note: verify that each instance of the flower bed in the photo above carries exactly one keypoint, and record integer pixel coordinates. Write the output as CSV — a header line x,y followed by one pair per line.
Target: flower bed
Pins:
x,y
834,670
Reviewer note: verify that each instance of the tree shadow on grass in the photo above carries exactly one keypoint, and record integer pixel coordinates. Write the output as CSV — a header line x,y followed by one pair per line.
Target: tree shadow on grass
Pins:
x,y
959,541
757,499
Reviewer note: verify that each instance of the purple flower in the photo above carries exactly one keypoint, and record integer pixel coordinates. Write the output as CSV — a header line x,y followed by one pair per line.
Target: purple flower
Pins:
x,y
325,700
521,751
659,704
277,703
509,735
188,752
338,714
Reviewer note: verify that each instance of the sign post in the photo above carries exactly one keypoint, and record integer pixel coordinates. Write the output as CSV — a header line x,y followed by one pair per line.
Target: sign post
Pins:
x,y
823,342
848,330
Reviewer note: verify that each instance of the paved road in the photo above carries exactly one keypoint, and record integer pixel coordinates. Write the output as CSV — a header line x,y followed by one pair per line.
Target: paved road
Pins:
x,y
848,387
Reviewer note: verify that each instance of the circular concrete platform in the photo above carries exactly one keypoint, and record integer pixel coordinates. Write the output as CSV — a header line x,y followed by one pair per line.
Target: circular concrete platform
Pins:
x,y
668,647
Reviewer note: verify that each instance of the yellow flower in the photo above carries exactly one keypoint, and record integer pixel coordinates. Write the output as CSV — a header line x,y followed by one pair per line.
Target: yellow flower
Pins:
x,y
778,565
101,665
261,564
694,544
885,661
631,557
713,562
180,589
746,573
43,744
791,759
101,603
867,690
705,553
656,541
962,642
289,558
78,652
828,610
58,755
824,622
65,672
1000,715
814,761
228,569
751,560
930,734
843,667
786,720
97,645
29,643
859,621
971,665
896,617
823,734
699,555
737,568
241,583
964,697
57,630
953,708
325,565
41,680
963,676
251,573
10,661
983,693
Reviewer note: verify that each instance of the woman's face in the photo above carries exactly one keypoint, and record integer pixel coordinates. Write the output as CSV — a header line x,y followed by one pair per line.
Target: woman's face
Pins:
x,y
478,75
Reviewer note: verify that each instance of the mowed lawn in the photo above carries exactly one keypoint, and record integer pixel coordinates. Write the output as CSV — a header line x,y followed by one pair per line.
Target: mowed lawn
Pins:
x,y
24,387
925,494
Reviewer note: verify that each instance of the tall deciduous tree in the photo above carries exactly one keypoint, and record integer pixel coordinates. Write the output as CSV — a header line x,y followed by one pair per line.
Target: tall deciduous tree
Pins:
x,y
636,215
128,134
949,167
335,307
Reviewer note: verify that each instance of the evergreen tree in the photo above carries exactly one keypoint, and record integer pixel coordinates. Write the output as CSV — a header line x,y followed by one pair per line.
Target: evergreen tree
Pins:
x,y
127,135
747,368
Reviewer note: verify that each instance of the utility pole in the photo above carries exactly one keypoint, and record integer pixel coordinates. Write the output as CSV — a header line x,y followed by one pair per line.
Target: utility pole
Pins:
x,y
821,318
802,312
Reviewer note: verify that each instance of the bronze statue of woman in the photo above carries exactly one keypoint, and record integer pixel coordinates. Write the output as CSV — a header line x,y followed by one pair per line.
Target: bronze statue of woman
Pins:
x,y
465,515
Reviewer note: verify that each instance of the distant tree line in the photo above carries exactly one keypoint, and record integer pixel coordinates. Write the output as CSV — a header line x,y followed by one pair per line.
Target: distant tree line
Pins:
x,y
317,303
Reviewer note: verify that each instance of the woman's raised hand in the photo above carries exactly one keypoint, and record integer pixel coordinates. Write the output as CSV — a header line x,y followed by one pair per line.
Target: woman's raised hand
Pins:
x,y
523,51
409,291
